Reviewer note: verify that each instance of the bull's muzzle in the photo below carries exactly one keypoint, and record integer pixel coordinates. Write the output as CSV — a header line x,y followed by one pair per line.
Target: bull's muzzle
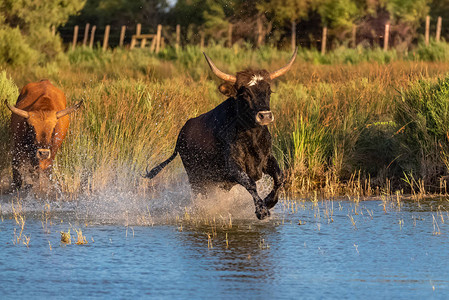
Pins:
x,y
264,117
43,154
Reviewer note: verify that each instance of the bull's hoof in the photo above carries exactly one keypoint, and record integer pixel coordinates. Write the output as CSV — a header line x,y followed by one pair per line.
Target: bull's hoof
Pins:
x,y
262,212
271,200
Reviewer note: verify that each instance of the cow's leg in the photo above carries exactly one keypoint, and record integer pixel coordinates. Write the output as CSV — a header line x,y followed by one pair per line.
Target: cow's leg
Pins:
x,y
250,185
274,171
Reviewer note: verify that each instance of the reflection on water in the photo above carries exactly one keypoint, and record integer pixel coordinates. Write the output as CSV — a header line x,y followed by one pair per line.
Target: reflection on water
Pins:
x,y
173,247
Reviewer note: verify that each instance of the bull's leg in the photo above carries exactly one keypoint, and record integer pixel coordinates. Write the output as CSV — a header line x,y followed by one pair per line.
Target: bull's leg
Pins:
x,y
274,171
250,185
16,177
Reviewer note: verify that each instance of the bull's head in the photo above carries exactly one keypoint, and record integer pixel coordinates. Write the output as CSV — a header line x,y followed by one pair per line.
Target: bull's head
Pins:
x,y
251,88
43,124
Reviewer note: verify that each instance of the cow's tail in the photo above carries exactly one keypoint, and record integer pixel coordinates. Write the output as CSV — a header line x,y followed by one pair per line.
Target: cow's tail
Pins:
x,y
157,169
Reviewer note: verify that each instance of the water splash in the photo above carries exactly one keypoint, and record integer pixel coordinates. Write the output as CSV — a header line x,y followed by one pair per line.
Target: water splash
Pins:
x,y
117,205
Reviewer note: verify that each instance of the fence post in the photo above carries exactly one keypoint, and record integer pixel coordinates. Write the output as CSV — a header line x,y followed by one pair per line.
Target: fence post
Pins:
x,y
386,36
86,34
230,35
92,36
106,37
323,42
53,30
438,29
427,30
158,38
178,36
122,35
153,45
133,41
293,35
75,37
354,37
143,43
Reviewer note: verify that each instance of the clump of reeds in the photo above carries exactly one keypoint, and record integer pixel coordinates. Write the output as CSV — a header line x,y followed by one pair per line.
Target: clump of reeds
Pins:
x,y
80,238
422,119
66,238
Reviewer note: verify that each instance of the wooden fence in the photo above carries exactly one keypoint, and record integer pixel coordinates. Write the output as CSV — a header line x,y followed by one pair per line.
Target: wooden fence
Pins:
x,y
157,41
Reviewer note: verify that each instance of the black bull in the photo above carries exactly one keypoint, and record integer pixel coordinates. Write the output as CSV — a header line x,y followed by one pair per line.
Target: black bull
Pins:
x,y
231,144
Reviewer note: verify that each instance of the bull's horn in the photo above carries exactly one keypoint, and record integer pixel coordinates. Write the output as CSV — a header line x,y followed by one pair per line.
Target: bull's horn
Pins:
x,y
220,74
17,111
68,110
284,70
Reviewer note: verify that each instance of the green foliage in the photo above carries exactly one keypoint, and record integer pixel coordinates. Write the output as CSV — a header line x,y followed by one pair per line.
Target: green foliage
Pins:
x,y
422,117
27,25
189,12
214,17
407,11
338,14
286,10
14,50
9,93
437,52
32,15
120,12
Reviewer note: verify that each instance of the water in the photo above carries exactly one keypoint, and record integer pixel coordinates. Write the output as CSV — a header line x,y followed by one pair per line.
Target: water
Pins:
x,y
161,248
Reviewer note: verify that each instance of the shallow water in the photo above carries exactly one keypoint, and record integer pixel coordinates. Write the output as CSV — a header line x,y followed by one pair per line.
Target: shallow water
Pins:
x,y
168,247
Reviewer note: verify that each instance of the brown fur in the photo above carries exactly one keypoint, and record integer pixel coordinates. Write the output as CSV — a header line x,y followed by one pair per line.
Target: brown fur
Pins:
x,y
41,130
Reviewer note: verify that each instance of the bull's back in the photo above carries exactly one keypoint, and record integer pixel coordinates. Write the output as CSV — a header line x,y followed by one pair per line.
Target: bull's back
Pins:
x,y
41,95
200,152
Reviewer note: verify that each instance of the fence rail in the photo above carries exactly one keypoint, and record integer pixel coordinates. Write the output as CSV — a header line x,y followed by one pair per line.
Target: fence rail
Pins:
x,y
158,40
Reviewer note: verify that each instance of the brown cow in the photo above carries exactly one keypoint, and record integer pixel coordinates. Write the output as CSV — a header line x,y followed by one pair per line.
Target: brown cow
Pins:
x,y
39,124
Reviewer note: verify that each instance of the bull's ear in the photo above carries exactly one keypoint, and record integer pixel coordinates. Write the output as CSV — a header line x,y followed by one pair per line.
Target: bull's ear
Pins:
x,y
227,89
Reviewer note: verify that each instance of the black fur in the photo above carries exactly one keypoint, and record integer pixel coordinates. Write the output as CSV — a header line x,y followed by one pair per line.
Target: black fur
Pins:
x,y
226,146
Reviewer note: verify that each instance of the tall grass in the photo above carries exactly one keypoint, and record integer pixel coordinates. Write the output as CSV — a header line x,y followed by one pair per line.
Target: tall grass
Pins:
x,y
334,118
9,93
422,116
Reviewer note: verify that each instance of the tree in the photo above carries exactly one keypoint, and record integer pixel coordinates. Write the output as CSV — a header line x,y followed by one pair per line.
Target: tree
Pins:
x,y
438,8
25,26
122,12
337,14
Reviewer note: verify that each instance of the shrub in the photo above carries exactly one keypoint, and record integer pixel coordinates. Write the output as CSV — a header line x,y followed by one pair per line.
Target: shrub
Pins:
x,y
14,49
422,117
9,92
438,52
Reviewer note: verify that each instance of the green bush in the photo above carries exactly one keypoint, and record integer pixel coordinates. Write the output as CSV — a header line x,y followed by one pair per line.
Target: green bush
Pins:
x,y
14,50
8,92
438,52
422,117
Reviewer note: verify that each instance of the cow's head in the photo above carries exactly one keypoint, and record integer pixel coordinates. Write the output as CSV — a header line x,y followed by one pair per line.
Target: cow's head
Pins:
x,y
42,124
251,88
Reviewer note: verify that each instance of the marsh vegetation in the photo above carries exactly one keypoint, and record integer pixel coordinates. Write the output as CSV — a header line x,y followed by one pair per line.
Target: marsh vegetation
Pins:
x,y
354,121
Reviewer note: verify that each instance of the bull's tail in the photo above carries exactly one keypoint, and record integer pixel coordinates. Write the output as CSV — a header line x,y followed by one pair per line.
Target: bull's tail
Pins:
x,y
162,165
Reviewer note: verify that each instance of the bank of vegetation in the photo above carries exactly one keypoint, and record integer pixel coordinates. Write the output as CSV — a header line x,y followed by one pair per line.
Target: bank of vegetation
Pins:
x,y
354,121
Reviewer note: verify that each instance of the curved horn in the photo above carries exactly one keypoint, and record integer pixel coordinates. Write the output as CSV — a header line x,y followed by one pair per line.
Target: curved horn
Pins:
x,y
17,111
220,74
284,70
68,110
